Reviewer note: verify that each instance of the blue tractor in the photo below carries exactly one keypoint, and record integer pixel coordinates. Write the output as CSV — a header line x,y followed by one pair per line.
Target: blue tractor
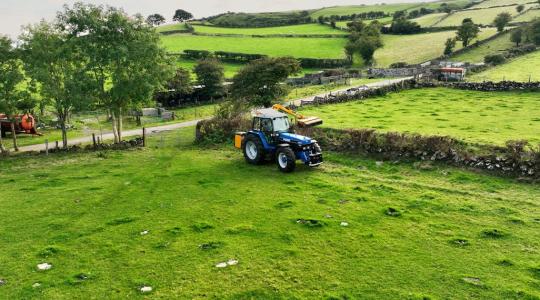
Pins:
x,y
271,138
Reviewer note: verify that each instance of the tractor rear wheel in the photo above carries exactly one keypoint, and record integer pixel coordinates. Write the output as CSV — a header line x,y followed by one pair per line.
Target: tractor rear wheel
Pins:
x,y
253,150
286,160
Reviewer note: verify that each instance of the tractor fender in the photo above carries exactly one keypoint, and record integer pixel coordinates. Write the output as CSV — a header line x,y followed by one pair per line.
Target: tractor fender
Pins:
x,y
260,135
283,145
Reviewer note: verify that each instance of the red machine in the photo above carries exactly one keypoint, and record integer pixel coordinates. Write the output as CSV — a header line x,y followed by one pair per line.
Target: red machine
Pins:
x,y
23,124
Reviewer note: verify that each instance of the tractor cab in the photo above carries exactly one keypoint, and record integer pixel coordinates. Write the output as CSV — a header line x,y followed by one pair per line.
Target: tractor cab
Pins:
x,y
271,137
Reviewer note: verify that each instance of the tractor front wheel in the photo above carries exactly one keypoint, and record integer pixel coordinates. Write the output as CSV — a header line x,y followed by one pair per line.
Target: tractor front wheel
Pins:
x,y
286,160
253,150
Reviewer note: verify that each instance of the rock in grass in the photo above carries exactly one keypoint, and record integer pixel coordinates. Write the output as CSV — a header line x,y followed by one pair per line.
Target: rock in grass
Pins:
x,y
145,232
44,266
473,281
146,289
36,285
232,262
344,224
222,265
379,163
392,212
2,282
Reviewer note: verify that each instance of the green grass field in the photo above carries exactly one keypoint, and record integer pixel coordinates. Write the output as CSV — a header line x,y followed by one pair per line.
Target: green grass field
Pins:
x,y
459,235
478,117
528,16
491,3
477,55
429,20
297,47
523,68
171,27
295,29
482,16
356,9
387,20
417,48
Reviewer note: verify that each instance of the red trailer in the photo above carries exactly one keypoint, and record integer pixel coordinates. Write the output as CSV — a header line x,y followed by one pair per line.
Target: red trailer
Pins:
x,y
23,124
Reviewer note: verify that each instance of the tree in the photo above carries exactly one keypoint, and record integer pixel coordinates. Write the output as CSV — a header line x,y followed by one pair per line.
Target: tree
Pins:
x,y
467,31
364,40
55,61
125,59
210,76
181,15
520,8
501,20
11,76
155,20
259,82
533,32
404,26
399,14
449,46
516,36
181,82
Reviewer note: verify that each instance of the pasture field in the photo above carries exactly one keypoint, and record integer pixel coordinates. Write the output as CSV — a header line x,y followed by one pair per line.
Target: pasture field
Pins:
x,y
456,234
356,9
170,27
429,20
528,16
387,20
294,29
491,3
417,48
523,68
297,47
480,16
477,54
477,117
230,69
311,90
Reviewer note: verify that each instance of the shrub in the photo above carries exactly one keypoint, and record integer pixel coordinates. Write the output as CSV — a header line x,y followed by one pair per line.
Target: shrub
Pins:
x,y
494,59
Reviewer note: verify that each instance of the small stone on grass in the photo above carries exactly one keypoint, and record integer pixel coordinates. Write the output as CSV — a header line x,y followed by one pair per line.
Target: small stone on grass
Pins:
x,y
344,224
2,282
379,163
36,285
44,266
473,281
146,289
145,232
222,265
232,262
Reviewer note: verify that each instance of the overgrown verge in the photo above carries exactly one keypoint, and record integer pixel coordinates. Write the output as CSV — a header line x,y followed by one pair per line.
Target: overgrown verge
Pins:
x,y
516,159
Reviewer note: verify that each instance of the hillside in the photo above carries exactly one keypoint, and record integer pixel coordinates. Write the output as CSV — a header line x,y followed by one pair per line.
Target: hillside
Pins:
x,y
523,68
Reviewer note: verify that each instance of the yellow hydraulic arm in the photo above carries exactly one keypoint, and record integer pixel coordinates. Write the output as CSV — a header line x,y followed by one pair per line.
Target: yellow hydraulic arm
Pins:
x,y
302,120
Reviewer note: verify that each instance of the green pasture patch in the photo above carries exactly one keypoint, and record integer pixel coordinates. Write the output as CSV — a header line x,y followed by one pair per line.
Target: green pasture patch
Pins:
x,y
307,29
524,68
491,3
478,117
528,16
272,46
92,237
495,46
357,9
429,19
479,16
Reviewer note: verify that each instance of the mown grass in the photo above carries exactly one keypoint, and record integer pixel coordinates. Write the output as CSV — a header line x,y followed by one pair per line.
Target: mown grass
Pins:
x,y
84,214
171,27
478,117
477,54
491,3
294,29
481,16
523,68
429,20
311,90
528,16
343,24
356,9
296,47
417,48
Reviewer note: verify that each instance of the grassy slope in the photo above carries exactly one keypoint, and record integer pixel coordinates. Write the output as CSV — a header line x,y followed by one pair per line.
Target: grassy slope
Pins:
x,y
518,69
477,55
84,214
429,20
356,9
170,27
528,16
482,16
387,20
483,117
297,47
295,29
311,90
418,47
491,3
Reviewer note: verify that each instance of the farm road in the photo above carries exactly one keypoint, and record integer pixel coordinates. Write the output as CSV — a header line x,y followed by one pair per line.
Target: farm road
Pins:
x,y
157,129
110,136
373,85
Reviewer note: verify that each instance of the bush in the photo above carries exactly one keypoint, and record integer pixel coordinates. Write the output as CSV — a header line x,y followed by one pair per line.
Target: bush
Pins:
x,y
494,59
217,130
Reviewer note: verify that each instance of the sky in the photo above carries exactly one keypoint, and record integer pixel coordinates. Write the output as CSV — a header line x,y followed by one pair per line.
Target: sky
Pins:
x,y
15,13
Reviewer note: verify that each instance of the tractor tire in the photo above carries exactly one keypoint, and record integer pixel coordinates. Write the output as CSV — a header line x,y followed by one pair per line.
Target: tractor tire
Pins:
x,y
253,150
317,147
285,159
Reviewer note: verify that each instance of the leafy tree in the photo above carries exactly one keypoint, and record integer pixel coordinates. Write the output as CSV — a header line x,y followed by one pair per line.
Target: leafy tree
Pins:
x,y
467,31
125,59
320,19
259,82
210,76
399,14
181,82
520,8
181,15
11,76
449,46
501,20
155,20
364,40
333,24
55,61
533,32
404,26
516,36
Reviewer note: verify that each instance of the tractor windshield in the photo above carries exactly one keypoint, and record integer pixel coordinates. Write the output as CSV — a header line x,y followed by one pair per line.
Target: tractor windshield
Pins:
x,y
281,124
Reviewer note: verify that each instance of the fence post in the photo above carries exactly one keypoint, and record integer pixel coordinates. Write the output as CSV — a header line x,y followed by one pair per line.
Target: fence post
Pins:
x,y
46,147
94,140
144,137
56,145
